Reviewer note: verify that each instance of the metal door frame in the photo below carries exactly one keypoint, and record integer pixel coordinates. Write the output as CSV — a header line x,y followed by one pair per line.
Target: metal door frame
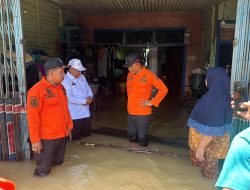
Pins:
x,y
12,68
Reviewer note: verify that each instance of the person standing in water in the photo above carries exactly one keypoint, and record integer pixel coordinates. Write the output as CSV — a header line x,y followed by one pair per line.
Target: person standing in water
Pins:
x,y
48,117
140,82
210,123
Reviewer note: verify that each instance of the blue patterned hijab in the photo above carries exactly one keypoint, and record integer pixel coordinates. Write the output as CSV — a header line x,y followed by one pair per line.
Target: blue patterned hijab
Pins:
x,y
212,114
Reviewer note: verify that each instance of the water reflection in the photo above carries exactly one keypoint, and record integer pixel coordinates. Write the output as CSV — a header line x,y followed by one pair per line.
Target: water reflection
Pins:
x,y
168,121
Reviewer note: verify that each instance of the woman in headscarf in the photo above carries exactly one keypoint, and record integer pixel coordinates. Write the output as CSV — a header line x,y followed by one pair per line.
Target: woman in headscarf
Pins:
x,y
210,123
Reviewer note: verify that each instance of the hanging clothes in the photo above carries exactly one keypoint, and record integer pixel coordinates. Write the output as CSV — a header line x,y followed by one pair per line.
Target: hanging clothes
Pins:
x,y
102,62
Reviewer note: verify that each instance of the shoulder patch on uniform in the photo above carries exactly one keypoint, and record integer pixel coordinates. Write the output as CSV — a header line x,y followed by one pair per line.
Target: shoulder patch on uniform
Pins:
x,y
34,102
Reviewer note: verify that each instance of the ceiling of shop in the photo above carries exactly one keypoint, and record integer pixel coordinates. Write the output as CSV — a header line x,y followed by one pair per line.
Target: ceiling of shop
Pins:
x,y
132,6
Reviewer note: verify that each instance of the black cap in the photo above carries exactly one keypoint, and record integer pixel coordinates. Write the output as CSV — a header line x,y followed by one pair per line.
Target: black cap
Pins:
x,y
131,59
52,63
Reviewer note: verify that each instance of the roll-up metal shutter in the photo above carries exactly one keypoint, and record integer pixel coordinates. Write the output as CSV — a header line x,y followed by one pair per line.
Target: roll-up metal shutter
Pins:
x,y
49,27
40,25
30,24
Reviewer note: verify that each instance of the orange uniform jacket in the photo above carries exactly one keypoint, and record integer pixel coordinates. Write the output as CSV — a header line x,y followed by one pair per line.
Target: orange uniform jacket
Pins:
x,y
139,87
48,114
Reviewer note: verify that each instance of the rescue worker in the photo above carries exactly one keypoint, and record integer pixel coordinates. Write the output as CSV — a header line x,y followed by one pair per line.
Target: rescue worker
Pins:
x,y
49,119
79,98
140,82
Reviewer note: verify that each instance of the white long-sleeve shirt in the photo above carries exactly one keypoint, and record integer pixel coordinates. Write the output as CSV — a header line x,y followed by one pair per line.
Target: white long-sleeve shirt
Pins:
x,y
77,90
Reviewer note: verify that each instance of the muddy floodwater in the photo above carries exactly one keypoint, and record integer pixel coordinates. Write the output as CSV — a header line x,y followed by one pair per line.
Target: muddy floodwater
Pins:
x,y
117,166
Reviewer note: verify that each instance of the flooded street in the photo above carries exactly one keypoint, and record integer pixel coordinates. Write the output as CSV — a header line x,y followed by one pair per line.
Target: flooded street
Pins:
x,y
93,168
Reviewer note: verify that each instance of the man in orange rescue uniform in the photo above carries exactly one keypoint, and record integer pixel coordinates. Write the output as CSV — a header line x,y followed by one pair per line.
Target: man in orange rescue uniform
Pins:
x,y
48,118
140,82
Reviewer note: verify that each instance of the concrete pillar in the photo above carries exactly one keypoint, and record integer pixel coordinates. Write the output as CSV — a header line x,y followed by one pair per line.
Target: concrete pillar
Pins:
x,y
153,59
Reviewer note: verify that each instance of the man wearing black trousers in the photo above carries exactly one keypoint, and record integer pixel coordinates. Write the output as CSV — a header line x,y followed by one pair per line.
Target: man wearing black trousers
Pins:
x,y
79,98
